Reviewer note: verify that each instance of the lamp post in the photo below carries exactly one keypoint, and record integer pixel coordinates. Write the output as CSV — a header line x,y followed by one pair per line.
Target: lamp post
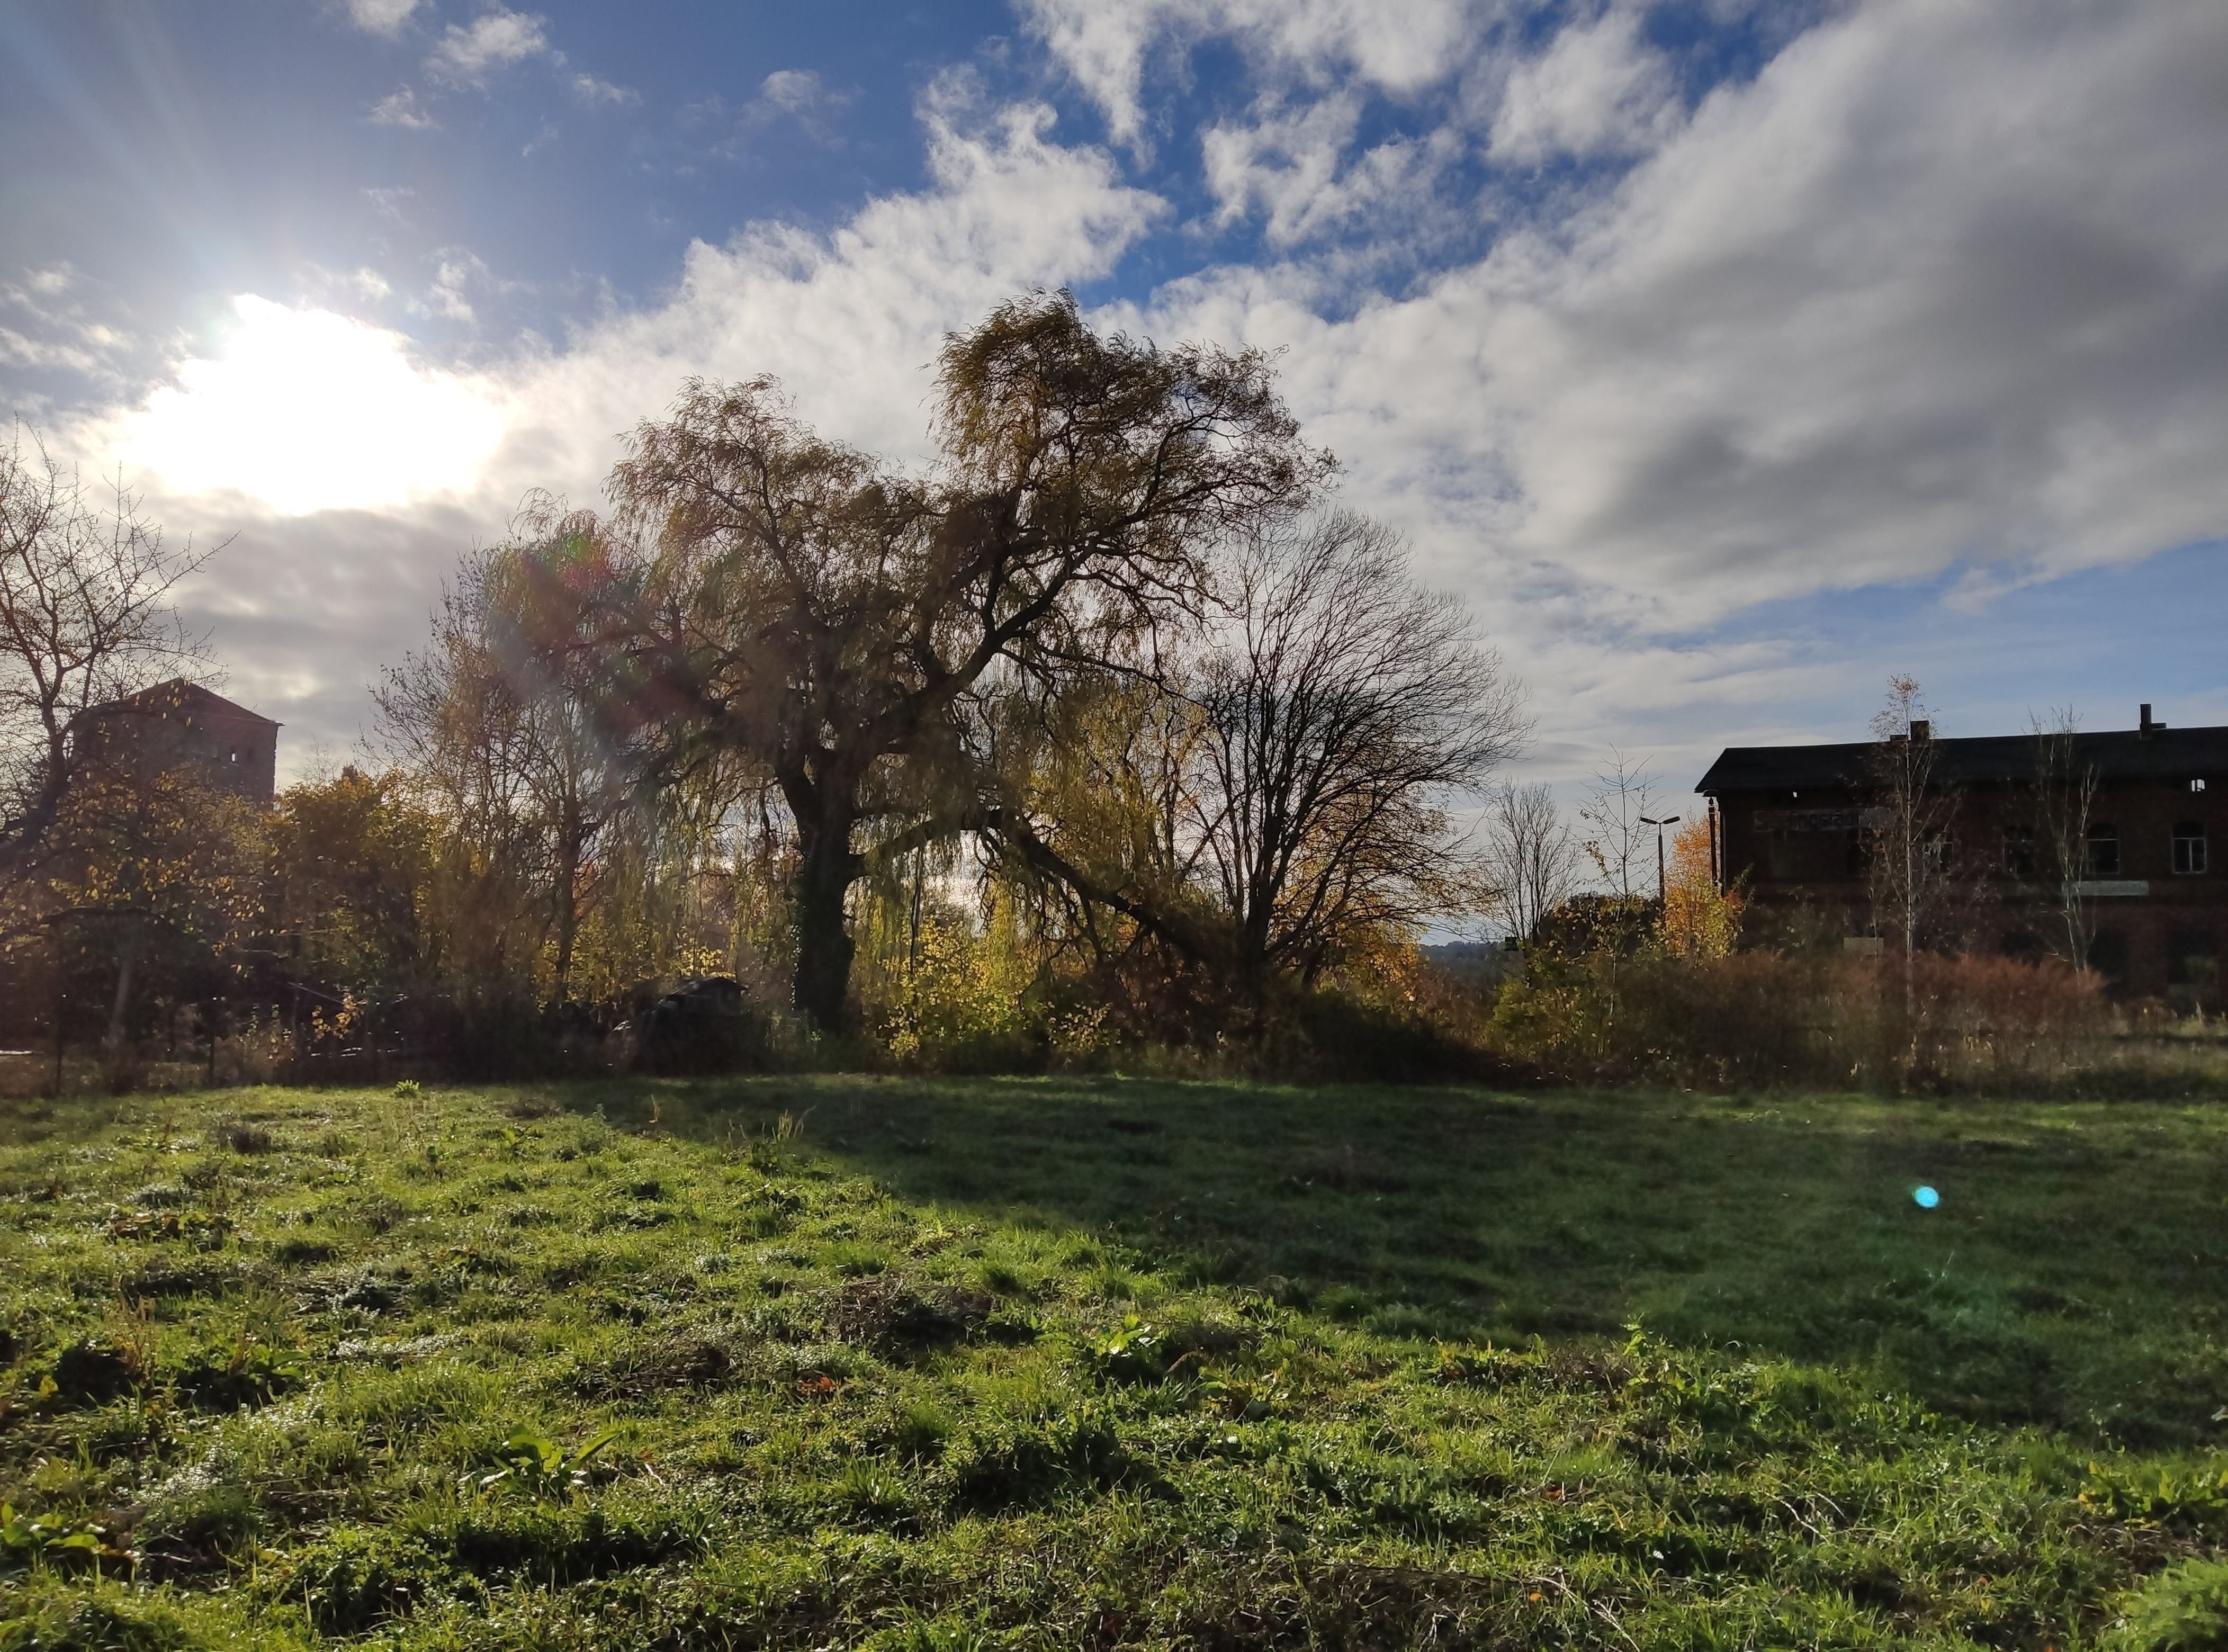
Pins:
x,y
1667,820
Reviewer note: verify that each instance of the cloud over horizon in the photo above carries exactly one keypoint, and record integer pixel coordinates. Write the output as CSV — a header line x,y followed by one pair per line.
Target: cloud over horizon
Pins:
x,y
1935,293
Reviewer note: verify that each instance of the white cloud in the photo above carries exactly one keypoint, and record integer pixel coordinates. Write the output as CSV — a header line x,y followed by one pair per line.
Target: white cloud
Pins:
x,y
51,332
380,17
495,39
1598,89
21,349
457,270
1290,162
792,91
1396,46
1937,287
389,201
379,468
363,285
848,321
401,108
593,91
786,94
1944,285
448,290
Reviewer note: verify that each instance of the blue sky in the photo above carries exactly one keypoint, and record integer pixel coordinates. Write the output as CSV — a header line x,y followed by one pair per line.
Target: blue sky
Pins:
x,y
1726,357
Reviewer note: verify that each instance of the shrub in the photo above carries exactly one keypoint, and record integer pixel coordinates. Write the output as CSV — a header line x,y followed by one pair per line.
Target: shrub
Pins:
x,y
1764,1018
958,1004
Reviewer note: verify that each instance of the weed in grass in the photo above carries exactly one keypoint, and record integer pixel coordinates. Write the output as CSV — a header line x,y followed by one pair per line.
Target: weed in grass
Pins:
x,y
767,1149
920,1433
2185,1608
857,1260
1136,1352
871,1492
52,1539
1003,1279
530,1461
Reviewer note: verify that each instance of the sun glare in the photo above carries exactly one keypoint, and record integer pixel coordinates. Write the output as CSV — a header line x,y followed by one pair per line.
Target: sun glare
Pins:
x,y
307,410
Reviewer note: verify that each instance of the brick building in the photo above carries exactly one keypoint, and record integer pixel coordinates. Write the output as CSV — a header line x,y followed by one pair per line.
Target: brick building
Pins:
x,y
180,727
1795,823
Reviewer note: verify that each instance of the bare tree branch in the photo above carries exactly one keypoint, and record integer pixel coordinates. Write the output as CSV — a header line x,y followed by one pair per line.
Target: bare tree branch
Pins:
x,y
86,582
1531,854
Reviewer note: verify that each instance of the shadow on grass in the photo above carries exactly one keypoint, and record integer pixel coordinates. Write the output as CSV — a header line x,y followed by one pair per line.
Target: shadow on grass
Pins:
x,y
2071,1274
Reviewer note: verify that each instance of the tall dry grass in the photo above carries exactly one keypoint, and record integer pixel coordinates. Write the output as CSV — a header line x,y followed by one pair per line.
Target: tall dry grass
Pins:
x,y
1767,1019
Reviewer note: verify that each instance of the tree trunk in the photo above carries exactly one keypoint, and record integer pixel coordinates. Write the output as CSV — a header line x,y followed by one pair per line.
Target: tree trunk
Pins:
x,y
827,867
1250,973
114,1039
568,905
1910,937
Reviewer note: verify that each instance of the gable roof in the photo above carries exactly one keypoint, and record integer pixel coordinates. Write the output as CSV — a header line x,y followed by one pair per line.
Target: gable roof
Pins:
x,y
176,696
1996,759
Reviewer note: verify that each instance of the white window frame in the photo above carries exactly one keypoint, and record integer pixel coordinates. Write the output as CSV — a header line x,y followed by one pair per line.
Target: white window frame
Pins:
x,y
2192,852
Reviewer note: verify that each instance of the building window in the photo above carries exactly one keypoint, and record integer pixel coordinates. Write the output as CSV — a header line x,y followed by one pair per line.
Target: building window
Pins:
x,y
1856,851
1785,858
2018,851
2104,851
2189,847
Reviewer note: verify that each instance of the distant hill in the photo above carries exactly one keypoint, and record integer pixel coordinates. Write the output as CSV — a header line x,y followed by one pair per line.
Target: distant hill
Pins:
x,y
1474,960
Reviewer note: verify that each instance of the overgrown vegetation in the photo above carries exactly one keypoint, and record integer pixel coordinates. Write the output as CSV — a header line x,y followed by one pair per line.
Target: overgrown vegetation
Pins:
x,y
797,1363
1103,738
1103,705
1766,1018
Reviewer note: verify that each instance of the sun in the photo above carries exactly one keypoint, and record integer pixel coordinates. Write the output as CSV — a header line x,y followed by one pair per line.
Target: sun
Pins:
x,y
307,410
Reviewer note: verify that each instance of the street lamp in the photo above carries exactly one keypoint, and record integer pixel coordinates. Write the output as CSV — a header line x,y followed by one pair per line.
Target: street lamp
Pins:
x,y
1667,820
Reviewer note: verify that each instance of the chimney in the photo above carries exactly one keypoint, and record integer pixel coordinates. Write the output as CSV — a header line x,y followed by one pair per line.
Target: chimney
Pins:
x,y
1921,730
2146,728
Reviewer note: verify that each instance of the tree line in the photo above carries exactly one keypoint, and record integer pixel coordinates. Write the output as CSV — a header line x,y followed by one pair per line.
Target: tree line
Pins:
x,y
1108,723
1109,716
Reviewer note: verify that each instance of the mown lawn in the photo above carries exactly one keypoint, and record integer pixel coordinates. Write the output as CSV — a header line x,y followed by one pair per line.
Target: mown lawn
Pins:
x,y
1108,1363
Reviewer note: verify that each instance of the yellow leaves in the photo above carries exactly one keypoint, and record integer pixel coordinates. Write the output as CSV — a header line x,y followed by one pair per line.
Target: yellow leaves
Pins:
x,y
957,985
162,849
1699,921
342,1019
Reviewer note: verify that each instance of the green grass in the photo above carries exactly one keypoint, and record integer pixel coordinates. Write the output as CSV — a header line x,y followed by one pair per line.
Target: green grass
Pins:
x,y
2076,1273
1108,1364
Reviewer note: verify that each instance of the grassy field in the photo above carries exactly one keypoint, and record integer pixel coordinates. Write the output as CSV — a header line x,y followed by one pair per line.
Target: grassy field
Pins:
x,y
815,1361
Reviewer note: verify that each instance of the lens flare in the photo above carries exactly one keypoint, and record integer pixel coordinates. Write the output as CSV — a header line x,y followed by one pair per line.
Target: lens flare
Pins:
x,y
311,411
1926,1198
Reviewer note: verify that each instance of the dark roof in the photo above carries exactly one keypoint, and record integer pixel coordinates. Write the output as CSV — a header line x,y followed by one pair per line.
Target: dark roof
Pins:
x,y
180,696
2121,754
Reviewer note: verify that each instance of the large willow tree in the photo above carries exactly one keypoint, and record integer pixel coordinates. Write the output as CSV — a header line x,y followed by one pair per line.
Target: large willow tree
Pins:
x,y
805,606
